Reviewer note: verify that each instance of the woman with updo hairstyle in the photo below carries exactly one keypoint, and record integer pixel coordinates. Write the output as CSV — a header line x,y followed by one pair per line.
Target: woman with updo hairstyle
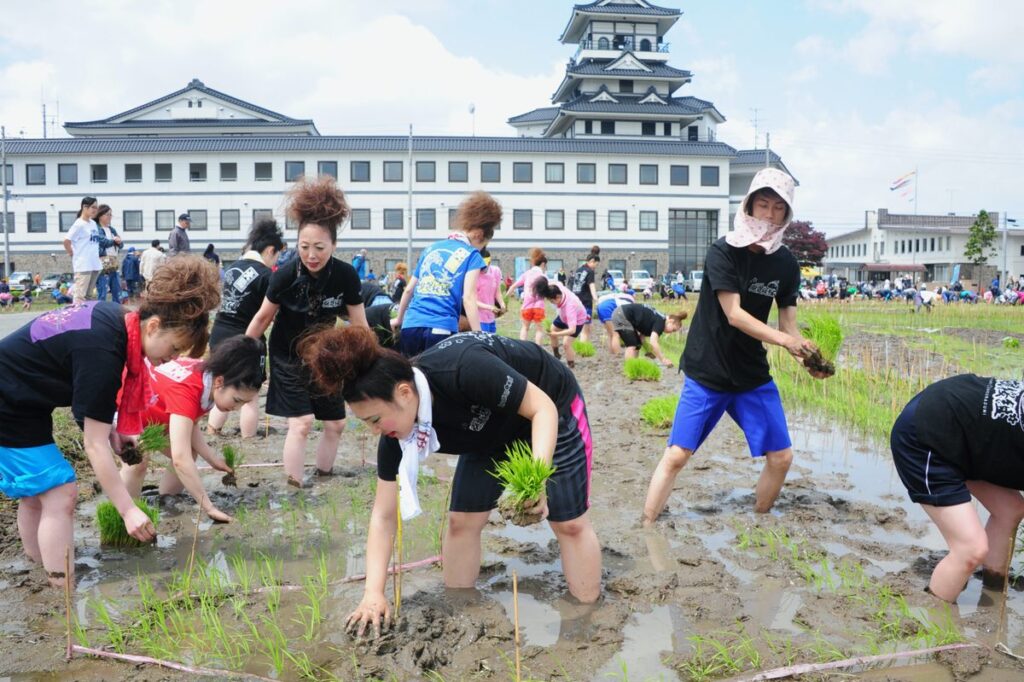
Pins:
x,y
245,286
82,356
304,294
472,395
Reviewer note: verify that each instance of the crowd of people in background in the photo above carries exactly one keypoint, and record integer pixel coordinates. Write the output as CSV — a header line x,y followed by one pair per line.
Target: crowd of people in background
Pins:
x,y
905,289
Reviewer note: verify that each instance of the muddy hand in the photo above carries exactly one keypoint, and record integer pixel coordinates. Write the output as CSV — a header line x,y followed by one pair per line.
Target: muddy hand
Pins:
x,y
217,516
375,610
539,507
138,525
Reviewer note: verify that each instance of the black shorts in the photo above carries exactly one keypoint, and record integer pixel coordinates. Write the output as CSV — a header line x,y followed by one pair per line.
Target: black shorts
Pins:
x,y
476,490
558,323
928,478
292,393
630,339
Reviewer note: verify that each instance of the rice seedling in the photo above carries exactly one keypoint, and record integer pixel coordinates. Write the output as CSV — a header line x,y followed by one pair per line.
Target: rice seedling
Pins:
x,y
112,529
1011,342
659,412
233,458
825,332
584,349
524,479
641,369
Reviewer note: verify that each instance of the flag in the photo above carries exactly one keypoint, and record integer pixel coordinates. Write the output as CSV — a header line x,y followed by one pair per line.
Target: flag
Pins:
x,y
903,181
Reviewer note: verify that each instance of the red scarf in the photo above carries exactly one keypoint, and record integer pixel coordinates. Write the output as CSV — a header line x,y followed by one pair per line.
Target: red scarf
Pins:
x,y
131,402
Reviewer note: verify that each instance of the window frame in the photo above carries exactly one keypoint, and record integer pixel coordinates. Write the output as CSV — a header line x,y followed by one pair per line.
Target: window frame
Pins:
x,y
129,179
200,220
554,213
703,177
265,165
93,167
422,213
61,168
224,178
648,215
464,165
400,165
321,164
361,212
527,167
618,213
352,174
579,169
526,213
490,165
289,171
432,165
392,212
192,167
593,219
29,228
649,167
238,219
552,165
168,214
169,167
29,167
125,224
624,167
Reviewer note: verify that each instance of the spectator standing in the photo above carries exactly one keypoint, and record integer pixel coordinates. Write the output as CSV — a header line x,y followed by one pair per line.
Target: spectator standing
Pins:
x,y
178,243
84,250
109,242
132,273
359,263
152,258
211,255
401,279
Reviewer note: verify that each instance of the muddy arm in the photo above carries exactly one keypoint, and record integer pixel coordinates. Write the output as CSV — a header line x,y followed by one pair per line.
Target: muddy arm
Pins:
x,y
543,416
751,326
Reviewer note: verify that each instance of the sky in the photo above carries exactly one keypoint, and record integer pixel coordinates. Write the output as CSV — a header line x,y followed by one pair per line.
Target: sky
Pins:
x,y
854,93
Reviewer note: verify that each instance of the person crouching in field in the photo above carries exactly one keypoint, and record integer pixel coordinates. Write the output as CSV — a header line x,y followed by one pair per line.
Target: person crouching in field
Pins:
x,y
568,323
963,437
725,361
633,322
183,391
76,356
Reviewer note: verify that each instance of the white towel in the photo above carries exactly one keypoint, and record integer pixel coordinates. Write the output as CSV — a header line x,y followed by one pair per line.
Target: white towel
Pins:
x,y
416,448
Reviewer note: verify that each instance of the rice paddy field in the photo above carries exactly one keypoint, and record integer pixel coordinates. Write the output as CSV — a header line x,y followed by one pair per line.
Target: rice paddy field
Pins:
x,y
829,586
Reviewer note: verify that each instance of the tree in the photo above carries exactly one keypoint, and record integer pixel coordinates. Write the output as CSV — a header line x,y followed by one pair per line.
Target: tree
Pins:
x,y
981,238
807,245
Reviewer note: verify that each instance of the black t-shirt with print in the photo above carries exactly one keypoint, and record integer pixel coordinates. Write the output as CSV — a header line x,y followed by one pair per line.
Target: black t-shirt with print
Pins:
x,y
71,356
308,301
645,319
976,424
718,355
379,319
581,281
478,382
245,284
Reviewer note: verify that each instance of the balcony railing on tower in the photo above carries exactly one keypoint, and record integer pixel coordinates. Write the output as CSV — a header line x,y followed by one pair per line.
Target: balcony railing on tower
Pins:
x,y
622,43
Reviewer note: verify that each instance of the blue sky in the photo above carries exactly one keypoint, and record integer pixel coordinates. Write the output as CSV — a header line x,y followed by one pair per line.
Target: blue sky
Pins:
x,y
854,92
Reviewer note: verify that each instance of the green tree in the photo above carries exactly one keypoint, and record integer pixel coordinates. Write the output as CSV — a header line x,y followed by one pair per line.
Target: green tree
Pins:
x,y
981,239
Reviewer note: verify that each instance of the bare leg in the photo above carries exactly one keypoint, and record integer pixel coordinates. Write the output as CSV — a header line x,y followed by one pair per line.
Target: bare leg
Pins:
x,y
1006,509
29,511
672,462
327,448
632,352
524,330
249,418
134,474
968,547
570,352
581,557
538,336
56,531
215,422
295,445
769,484
461,551
170,484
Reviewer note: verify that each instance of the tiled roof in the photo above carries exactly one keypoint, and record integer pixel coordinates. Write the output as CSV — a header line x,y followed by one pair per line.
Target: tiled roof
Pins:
x,y
624,8
536,116
192,123
755,157
351,144
592,68
631,105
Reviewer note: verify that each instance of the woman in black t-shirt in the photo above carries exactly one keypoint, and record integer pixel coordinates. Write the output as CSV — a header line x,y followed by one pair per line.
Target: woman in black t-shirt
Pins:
x,y
472,395
82,356
634,322
304,294
245,285
963,437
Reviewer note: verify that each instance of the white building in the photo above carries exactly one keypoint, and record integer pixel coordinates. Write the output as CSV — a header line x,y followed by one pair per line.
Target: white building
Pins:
x,y
926,247
620,160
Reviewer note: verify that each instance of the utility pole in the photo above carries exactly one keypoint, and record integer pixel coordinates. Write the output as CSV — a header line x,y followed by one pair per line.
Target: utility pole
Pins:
x,y
767,150
408,243
3,215
1004,275
44,120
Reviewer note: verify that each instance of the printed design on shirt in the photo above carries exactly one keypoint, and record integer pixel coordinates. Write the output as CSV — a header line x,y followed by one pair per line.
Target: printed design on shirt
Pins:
x,y
579,281
1008,402
439,271
238,281
769,289
333,302
67,319
462,337
174,371
506,391
481,415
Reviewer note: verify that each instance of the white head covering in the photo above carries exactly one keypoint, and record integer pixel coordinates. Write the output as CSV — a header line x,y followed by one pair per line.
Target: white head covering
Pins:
x,y
749,230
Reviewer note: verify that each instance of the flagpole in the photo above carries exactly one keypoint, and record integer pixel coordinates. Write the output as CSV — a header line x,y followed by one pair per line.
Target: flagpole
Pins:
x,y
917,179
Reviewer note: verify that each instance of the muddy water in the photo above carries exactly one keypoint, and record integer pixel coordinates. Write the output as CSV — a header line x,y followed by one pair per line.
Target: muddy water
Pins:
x,y
664,587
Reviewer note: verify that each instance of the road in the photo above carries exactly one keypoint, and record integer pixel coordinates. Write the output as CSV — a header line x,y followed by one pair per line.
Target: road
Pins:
x,y
9,322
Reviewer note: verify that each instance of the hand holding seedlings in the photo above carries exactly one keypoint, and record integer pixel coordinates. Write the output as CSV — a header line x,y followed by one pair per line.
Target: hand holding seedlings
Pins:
x,y
524,478
232,458
374,609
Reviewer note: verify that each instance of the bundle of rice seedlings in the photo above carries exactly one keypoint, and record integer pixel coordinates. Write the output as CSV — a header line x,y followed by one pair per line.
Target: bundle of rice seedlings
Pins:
x,y
826,333
659,412
524,479
152,439
641,369
232,457
584,349
112,530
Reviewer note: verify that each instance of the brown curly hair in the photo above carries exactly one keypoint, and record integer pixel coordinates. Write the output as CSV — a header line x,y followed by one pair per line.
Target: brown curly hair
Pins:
x,y
181,294
349,360
318,202
537,256
479,211
679,317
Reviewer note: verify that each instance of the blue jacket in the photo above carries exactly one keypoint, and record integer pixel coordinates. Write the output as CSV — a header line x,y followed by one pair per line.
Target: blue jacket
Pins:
x,y
130,268
100,237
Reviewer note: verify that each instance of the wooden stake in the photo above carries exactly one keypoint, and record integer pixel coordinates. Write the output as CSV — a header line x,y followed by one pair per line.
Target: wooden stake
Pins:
x,y
266,432
515,617
192,554
67,599
1006,586
398,559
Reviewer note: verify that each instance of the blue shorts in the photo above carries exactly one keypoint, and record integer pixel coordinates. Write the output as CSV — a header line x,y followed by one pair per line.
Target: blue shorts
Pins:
x,y
25,472
415,340
558,323
758,412
489,327
605,310
928,478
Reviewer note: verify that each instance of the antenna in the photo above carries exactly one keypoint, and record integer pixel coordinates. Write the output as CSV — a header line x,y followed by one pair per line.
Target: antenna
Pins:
x,y
44,120
755,110
472,113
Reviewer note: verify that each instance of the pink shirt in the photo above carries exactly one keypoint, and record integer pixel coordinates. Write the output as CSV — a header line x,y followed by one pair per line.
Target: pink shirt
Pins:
x,y
530,299
487,290
571,309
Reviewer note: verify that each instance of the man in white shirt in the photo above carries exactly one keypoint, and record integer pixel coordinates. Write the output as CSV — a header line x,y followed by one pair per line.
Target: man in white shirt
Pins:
x,y
151,259
84,249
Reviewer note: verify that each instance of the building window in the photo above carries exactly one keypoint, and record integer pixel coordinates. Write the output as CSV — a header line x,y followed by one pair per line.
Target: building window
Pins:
x,y
162,172
649,128
67,173
327,168
452,218
37,220
35,174
522,219
709,176
98,172
294,170
933,244
164,220
360,219
133,172
490,171
651,266
426,171
9,173
392,219
616,220
668,129
197,172
586,173
588,127
264,171
359,171
522,171
554,172
626,86
692,133
648,221
228,172
458,171
602,43
554,219
259,214
648,174
393,171
617,264
131,221
426,219
690,233
586,220
290,222
230,219
607,127
948,241
65,220
199,219
618,174
679,175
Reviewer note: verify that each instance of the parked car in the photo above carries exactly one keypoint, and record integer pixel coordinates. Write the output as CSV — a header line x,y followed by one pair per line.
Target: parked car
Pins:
x,y
694,281
617,278
19,281
640,280
53,281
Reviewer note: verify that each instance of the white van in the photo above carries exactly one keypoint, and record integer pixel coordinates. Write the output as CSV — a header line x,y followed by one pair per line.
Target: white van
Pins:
x,y
694,281
640,280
